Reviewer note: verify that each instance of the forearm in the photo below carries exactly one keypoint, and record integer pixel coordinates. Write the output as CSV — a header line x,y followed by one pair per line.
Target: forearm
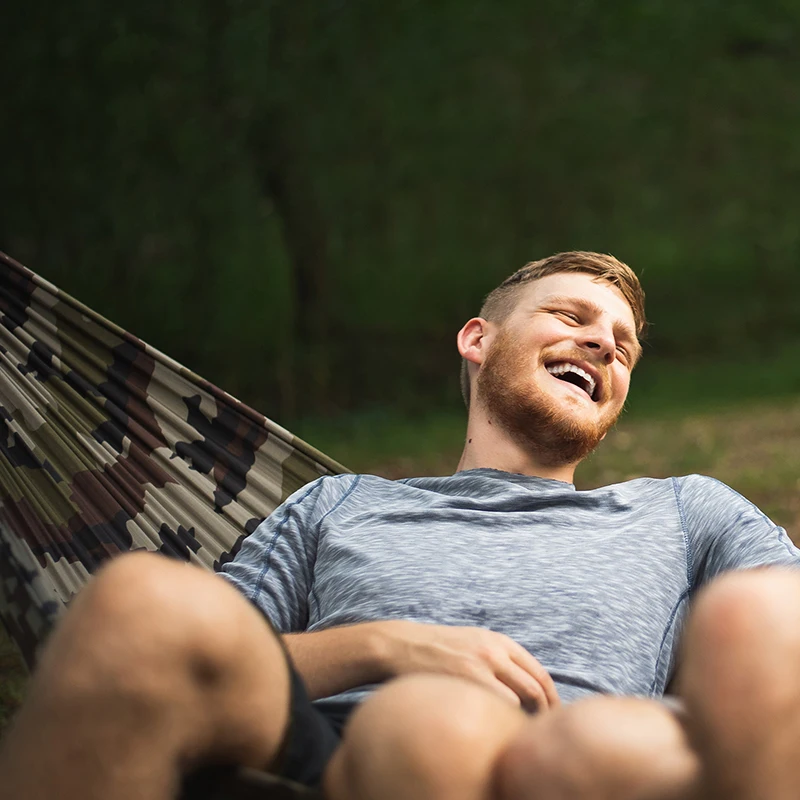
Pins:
x,y
337,659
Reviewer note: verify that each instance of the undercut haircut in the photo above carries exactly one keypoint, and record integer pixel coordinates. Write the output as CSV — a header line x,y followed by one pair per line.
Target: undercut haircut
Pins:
x,y
501,302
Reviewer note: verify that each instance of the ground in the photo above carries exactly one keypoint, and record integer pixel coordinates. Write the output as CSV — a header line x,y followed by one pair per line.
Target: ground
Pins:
x,y
755,448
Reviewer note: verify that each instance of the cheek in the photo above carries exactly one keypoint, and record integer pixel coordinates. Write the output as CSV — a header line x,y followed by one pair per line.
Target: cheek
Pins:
x,y
551,332
622,382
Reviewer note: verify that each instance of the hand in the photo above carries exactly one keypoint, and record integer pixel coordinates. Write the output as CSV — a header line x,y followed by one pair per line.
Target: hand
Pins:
x,y
486,657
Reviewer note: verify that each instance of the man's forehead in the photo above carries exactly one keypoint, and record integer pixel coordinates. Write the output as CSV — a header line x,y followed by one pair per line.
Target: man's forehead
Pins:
x,y
580,287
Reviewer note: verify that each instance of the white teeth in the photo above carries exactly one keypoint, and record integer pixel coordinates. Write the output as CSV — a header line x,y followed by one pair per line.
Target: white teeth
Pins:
x,y
560,369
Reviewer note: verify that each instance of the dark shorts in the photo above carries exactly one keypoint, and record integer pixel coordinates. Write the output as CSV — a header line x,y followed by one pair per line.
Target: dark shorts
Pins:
x,y
313,734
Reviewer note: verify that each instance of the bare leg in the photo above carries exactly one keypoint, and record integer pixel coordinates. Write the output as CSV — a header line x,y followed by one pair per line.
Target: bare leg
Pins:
x,y
423,737
438,738
742,684
156,666
614,748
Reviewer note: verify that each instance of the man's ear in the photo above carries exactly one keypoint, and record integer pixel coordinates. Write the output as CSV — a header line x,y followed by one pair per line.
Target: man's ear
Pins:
x,y
474,339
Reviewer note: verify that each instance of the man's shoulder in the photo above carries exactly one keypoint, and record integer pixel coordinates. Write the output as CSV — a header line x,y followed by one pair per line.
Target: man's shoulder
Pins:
x,y
706,501
705,487
672,483
687,491
331,490
319,495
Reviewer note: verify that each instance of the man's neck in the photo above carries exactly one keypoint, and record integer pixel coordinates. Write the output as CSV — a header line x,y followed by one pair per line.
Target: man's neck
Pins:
x,y
491,446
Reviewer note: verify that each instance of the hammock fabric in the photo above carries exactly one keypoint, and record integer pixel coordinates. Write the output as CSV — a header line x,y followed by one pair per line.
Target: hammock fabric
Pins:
x,y
111,446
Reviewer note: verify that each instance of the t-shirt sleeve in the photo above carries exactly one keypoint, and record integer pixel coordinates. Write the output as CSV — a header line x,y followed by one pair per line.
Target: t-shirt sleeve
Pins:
x,y
725,531
275,567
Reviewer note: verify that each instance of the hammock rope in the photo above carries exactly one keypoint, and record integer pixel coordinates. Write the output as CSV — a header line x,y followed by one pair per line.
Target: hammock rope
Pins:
x,y
110,446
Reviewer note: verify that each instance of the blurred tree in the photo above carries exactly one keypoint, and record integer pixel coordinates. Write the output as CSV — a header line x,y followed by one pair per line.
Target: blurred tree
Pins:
x,y
302,200
276,139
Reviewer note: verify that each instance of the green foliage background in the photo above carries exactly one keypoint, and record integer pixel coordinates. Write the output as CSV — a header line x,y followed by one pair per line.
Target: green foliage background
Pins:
x,y
303,199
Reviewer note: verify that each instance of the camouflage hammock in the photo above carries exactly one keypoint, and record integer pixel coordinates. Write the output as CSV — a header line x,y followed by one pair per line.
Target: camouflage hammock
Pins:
x,y
111,446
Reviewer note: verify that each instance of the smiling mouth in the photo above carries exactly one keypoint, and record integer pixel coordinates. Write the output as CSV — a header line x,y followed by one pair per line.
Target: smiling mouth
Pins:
x,y
569,373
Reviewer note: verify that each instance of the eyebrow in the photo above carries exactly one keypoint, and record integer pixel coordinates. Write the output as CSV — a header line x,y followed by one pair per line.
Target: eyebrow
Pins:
x,y
621,329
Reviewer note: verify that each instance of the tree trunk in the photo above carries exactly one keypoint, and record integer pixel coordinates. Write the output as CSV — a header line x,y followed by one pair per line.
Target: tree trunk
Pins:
x,y
276,143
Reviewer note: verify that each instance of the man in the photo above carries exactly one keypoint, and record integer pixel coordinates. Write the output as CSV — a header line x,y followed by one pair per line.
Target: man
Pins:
x,y
530,630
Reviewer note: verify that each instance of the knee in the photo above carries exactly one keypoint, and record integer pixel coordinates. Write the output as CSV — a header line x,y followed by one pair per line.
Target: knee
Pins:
x,y
741,648
743,608
146,597
434,736
620,747
143,613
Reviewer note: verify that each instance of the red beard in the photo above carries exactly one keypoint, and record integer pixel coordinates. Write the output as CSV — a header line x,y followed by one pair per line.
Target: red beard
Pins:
x,y
536,420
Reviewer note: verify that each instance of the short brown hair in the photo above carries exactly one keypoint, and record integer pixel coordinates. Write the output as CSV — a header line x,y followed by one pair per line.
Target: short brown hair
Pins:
x,y
501,302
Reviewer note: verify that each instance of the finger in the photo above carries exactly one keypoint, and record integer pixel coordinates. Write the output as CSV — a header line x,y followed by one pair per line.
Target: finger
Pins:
x,y
530,692
489,681
532,667
505,692
521,657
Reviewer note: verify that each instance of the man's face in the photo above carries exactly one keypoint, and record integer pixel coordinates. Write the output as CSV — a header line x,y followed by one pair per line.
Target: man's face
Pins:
x,y
557,372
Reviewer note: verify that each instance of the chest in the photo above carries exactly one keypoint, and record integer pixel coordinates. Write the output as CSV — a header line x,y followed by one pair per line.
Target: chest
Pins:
x,y
578,571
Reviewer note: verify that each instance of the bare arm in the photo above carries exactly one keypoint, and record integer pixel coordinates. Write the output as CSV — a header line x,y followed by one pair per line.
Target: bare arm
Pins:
x,y
337,659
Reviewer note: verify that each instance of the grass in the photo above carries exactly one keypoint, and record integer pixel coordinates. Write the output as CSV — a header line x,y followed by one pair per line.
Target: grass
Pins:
x,y
742,427
754,448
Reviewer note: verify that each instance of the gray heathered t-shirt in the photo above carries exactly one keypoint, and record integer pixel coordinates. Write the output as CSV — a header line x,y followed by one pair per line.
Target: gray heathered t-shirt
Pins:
x,y
594,584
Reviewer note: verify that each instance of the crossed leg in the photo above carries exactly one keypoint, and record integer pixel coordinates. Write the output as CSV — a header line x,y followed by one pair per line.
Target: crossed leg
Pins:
x,y
434,738
158,666
742,685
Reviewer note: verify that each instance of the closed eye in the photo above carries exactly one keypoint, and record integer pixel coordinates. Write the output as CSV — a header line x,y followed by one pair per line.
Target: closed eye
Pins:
x,y
569,315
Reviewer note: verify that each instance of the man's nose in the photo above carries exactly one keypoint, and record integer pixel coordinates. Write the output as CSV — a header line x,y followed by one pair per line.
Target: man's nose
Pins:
x,y
601,342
